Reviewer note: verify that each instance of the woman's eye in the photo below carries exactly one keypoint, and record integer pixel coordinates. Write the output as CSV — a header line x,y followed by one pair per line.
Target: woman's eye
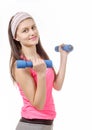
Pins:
x,y
25,30
34,27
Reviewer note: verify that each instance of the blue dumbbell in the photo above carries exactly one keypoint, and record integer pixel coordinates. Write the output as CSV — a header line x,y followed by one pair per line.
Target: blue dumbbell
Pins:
x,y
24,63
66,47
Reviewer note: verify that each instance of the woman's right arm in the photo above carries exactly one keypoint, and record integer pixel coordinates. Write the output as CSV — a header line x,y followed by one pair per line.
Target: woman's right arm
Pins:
x,y
36,93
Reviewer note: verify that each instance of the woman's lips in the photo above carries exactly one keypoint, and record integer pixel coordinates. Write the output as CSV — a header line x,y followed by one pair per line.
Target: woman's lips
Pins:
x,y
33,38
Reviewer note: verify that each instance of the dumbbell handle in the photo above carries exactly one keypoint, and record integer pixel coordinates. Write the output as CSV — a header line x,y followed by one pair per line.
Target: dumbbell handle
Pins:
x,y
24,63
66,47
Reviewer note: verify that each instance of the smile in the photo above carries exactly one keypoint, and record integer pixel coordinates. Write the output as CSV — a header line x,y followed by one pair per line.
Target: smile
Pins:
x,y
34,38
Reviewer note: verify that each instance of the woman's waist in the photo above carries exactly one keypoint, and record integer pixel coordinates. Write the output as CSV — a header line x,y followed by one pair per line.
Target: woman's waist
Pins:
x,y
37,121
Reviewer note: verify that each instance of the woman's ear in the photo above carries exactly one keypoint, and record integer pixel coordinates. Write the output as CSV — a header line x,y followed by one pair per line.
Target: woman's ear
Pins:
x,y
16,38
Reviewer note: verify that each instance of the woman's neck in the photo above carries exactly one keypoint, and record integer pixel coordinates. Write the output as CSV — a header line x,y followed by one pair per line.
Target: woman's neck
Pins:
x,y
30,52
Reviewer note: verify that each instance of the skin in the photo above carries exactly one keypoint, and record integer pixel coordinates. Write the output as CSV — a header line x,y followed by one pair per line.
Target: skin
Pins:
x,y
28,36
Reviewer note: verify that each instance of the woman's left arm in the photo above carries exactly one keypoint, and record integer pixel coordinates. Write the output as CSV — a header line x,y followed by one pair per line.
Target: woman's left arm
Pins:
x,y
58,83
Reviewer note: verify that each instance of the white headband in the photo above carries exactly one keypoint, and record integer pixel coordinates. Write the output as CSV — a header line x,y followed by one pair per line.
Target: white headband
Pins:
x,y
17,19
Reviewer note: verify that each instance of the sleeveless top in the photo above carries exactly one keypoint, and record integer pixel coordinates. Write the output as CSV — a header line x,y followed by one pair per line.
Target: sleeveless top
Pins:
x,y
48,112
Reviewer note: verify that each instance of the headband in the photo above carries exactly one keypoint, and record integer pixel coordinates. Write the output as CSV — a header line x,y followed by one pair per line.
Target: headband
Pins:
x,y
20,16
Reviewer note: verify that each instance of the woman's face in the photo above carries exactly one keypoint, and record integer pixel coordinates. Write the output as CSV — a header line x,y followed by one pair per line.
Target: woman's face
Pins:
x,y
27,33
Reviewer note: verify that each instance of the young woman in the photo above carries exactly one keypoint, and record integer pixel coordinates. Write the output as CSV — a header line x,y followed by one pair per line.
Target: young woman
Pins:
x,y
35,84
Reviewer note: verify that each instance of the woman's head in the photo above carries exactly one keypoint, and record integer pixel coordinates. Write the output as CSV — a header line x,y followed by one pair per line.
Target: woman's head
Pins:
x,y
14,29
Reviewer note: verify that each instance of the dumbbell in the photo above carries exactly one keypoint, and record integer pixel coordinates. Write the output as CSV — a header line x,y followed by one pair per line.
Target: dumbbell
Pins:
x,y
24,63
66,47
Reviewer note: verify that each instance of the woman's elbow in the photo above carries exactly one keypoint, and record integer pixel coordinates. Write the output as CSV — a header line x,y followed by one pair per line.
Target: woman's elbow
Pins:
x,y
38,106
57,87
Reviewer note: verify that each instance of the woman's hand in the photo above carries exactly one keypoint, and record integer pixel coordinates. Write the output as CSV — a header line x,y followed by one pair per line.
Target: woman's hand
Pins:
x,y
39,66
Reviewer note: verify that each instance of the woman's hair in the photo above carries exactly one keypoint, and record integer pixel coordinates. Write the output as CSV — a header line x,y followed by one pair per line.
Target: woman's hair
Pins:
x,y
16,50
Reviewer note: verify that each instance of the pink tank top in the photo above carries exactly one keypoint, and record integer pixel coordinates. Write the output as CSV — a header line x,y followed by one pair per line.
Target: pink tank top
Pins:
x,y
48,112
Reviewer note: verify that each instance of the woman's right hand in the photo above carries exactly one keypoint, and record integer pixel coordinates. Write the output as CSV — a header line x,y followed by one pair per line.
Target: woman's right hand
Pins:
x,y
39,66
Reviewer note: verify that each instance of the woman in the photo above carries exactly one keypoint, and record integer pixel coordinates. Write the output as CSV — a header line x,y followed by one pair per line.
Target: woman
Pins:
x,y
35,84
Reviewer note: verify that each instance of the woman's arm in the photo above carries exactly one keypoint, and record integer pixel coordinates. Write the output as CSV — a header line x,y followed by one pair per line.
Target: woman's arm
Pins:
x,y
58,83
36,93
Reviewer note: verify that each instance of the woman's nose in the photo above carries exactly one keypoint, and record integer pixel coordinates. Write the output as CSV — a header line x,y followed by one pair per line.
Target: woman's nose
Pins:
x,y
31,32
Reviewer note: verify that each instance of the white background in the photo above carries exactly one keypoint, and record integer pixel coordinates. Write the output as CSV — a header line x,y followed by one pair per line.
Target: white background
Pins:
x,y
58,21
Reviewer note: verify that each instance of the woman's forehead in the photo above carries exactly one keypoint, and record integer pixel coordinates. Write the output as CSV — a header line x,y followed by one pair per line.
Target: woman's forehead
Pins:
x,y
26,22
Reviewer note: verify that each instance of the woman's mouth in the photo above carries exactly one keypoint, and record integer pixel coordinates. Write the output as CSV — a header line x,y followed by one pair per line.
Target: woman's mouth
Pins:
x,y
33,38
